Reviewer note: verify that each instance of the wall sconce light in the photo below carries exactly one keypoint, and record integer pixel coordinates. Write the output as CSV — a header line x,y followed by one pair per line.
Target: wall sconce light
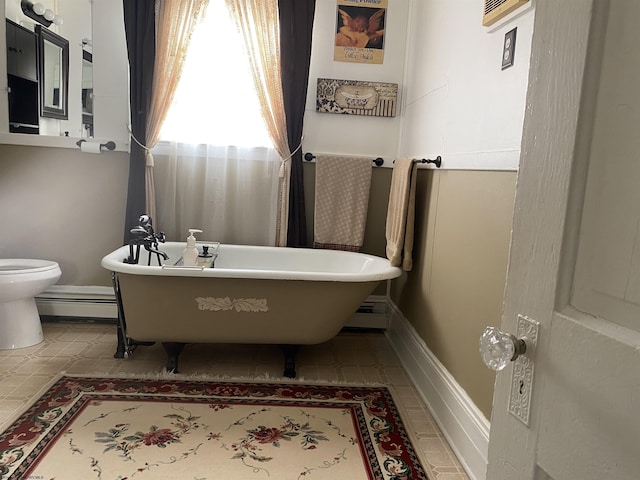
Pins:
x,y
37,12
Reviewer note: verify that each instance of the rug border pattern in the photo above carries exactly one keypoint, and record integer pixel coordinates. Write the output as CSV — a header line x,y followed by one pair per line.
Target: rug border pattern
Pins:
x,y
66,392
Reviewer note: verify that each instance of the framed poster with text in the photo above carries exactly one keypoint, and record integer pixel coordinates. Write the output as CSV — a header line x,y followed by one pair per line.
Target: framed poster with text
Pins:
x,y
360,30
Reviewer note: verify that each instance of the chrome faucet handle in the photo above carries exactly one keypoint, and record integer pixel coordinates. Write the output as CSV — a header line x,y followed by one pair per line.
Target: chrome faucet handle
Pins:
x,y
138,230
145,220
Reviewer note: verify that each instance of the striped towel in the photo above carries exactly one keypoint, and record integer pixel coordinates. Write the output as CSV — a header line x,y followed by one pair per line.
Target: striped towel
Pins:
x,y
342,201
401,213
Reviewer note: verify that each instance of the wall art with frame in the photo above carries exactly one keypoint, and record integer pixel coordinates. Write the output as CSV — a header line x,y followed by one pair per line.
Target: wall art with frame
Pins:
x,y
353,97
360,31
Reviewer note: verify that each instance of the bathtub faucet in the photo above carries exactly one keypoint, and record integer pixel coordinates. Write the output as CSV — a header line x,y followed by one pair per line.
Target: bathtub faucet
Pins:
x,y
145,236
157,252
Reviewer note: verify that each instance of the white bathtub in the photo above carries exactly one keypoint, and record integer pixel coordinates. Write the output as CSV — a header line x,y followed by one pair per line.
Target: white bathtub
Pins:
x,y
285,296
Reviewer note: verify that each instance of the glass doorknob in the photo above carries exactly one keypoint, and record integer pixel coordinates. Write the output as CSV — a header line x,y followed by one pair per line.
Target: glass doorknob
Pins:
x,y
498,349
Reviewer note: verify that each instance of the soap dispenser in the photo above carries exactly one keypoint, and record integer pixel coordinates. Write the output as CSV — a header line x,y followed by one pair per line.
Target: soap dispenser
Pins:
x,y
209,254
205,259
190,253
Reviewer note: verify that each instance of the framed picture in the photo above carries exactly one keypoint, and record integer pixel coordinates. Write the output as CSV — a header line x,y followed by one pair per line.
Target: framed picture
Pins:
x,y
360,31
352,97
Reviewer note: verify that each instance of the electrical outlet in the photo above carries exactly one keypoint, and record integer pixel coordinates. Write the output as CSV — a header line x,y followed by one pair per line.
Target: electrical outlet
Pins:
x,y
522,376
509,48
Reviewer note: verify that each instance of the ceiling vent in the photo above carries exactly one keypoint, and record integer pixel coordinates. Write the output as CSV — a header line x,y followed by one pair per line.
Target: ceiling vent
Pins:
x,y
494,10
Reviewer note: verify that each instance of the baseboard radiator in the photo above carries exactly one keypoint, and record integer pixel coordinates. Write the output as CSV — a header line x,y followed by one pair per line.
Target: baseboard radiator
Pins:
x,y
93,302
373,313
78,301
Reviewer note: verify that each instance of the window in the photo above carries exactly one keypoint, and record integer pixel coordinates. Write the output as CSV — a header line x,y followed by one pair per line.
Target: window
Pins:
x,y
215,101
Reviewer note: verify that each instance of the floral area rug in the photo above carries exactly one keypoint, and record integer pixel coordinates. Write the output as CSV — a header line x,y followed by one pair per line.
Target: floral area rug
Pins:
x,y
125,428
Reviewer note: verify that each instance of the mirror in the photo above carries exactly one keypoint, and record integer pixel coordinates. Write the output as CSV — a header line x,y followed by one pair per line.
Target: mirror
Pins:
x,y
87,90
53,74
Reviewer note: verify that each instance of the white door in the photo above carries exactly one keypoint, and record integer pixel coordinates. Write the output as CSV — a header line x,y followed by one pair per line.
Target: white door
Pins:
x,y
575,257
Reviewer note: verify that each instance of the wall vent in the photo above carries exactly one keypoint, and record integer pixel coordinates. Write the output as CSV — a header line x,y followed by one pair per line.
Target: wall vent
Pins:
x,y
494,10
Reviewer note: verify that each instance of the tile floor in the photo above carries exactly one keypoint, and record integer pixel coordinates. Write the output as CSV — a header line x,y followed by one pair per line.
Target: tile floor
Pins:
x,y
85,348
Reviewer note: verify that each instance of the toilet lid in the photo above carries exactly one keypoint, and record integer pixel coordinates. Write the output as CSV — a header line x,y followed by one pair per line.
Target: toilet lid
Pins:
x,y
25,265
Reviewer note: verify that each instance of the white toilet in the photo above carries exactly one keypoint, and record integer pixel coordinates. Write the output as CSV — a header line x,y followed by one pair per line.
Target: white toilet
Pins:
x,y
21,280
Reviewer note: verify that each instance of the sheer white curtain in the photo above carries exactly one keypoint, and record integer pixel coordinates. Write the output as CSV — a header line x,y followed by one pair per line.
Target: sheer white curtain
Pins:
x,y
215,166
230,193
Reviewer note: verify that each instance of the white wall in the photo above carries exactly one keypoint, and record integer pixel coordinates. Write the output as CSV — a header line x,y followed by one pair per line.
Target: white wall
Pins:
x,y
458,102
354,134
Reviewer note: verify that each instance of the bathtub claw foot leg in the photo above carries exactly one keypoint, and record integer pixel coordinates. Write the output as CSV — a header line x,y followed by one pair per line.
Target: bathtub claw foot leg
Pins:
x,y
290,360
173,350
121,348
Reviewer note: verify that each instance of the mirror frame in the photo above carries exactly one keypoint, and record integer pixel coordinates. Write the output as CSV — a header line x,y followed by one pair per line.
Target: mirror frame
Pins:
x,y
43,34
87,118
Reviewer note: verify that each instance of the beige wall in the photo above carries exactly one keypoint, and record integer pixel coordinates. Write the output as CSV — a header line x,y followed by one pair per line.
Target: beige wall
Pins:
x,y
456,288
458,103
461,251
64,205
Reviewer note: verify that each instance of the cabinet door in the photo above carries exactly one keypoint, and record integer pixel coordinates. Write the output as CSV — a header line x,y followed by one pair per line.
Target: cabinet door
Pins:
x,y
21,52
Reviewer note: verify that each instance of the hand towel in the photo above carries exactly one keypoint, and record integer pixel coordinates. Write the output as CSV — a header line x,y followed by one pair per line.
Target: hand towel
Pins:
x,y
342,201
401,213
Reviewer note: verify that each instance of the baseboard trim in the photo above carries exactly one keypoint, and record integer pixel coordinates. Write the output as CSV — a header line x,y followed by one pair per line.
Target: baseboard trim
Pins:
x,y
461,422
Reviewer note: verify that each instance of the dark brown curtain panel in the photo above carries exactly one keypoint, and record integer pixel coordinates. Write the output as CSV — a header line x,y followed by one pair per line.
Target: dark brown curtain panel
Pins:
x,y
296,28
139,24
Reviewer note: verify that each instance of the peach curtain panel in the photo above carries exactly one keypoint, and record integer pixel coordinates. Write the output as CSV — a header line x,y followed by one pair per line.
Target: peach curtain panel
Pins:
x,y
175,22
258,23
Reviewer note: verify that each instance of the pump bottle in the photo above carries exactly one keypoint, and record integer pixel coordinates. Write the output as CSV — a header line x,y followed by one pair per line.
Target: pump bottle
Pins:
x,y
190,253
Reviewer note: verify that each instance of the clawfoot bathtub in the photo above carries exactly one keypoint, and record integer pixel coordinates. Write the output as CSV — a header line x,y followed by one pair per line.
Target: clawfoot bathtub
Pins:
x,y
254,295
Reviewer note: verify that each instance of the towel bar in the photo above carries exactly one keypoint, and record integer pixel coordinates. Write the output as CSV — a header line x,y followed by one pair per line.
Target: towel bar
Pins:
x,y
378,162
436,161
